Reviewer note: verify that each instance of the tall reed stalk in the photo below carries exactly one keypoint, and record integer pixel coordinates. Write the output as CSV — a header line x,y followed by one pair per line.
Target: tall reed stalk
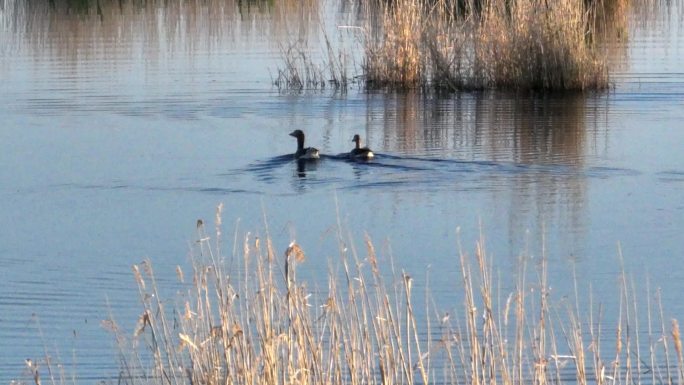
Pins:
x,y
261,323
491,44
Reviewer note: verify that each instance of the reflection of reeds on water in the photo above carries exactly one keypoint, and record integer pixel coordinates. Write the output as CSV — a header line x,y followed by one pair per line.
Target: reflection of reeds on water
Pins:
x,y
546,139
653,15
499,126
79,28
263,324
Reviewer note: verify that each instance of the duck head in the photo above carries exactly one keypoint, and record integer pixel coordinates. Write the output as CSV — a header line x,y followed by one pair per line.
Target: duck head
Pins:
x,y
297,133
357,140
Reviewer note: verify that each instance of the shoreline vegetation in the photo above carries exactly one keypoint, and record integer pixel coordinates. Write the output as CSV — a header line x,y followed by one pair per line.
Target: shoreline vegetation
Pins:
x,y
249,319
398,45
453,45
365,328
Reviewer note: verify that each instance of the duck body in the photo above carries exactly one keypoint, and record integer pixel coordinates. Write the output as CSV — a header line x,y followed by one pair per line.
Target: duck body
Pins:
x,y
358,152
304,152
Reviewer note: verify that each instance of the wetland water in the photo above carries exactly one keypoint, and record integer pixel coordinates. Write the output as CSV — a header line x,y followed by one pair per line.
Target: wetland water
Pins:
x,y
122,127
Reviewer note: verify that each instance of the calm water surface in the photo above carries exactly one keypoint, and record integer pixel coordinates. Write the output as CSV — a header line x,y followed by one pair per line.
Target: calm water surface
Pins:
x,y
119,130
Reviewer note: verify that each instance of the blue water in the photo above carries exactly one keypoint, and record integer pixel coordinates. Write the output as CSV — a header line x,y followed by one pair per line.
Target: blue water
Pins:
x,y
112,148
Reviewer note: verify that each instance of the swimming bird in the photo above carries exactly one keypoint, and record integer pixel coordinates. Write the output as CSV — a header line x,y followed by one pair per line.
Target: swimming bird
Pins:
x,y
304,153
359,152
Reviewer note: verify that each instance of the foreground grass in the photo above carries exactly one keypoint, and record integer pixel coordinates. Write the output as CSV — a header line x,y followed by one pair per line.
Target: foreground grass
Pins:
x,y
261,324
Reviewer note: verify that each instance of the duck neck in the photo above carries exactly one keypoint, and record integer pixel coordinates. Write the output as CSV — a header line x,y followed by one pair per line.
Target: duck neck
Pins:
x,y
300,143
358,144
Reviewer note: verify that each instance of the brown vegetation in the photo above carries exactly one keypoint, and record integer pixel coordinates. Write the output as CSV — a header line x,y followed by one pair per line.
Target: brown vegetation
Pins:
x,y
492,44
262,324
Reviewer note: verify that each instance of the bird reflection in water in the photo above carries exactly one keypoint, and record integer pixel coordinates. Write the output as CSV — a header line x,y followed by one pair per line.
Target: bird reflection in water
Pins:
x,y
304,166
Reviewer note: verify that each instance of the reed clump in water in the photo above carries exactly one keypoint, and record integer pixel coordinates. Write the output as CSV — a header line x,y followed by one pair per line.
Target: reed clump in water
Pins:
x,y
490,44
300,72
269,327
396,58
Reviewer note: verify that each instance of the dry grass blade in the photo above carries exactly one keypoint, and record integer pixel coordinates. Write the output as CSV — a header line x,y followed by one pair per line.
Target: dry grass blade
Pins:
x,y
363,329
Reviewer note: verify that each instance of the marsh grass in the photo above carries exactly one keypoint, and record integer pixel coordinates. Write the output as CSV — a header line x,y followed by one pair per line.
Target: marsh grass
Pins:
x,y
52,368
493,44
260,323
488,44
539,45
299,71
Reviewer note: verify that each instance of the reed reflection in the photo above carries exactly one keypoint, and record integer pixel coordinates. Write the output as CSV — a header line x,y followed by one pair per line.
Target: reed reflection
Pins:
x,y
537,148
485,126
81,29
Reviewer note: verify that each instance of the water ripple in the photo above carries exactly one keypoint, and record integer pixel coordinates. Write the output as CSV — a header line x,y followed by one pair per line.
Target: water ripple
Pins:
x,y
671,176
388,171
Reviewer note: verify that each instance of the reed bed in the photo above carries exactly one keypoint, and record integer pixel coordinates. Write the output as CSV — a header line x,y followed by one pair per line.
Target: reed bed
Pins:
x,y
488,44
261,324
491,44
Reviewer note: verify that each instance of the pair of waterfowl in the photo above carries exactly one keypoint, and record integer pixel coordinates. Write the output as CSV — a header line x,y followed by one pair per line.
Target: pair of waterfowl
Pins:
x,y
358,152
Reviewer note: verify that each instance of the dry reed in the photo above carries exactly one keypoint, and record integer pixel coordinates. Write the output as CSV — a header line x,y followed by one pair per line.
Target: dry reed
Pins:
x,y
261,324
299,71
450,45
493,44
